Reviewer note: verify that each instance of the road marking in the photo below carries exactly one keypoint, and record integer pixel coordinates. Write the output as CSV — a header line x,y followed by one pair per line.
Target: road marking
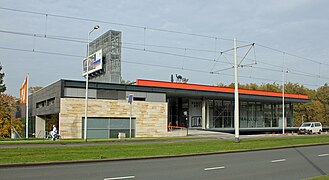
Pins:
x,y
278,160
214,168
125,177
321,155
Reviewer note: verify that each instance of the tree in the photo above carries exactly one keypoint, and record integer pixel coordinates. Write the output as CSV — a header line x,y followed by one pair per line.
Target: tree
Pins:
x,y
322,95
2,86
7,120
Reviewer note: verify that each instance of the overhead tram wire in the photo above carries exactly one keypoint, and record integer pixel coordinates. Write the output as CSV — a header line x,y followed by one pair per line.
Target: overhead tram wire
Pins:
x,y
293,55
41,52
146,64
173,54
81,40
152,51
121,24
114,23
73,39
153,65
41,36
282,67
150,28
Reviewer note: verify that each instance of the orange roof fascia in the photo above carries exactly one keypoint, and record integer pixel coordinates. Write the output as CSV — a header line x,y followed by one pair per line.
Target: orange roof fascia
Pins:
x,y
199,87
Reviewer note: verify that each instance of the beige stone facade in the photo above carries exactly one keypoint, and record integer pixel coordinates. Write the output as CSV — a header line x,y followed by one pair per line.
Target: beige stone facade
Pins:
x,y
151,117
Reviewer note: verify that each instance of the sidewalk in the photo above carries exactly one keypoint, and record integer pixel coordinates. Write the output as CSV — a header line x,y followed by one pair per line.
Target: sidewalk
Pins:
x,y
194,136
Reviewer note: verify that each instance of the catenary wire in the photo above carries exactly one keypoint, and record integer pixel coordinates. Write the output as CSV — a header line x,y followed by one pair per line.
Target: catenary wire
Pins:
x,y
154,29
153,65
73,39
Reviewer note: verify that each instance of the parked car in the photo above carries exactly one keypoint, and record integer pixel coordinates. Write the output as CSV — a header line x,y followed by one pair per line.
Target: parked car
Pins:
x,y
310,128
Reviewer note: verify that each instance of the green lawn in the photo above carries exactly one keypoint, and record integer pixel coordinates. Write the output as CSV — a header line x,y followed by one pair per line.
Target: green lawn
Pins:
x,y
69,141
112,151
320,178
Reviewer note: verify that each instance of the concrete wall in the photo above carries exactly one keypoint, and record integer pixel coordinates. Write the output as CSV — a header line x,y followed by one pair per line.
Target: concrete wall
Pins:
x,y
50,92
40,127
151,117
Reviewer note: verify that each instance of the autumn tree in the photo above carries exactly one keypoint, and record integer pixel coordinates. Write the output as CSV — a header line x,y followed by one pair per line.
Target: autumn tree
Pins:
x,y
7,120
322,96
2,86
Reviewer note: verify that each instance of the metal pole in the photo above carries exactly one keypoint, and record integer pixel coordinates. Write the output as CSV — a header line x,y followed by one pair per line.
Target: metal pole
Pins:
x,y
27,108
236,96
130,119
283,120
87,84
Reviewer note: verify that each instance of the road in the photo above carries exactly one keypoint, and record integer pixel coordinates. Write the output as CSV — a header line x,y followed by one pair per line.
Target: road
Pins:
x,y
292,163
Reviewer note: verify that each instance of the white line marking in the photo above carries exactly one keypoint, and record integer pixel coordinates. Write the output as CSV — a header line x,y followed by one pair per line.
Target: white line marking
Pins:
x,y
278,160
321,155
214,168
125,177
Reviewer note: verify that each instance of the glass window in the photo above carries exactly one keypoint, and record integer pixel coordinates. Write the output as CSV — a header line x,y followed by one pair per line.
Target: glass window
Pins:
x,y
109,127
268,115
122,123
99,123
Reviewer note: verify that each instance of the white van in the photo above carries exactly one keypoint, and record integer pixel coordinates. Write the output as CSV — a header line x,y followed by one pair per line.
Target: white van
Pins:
x,y
310,128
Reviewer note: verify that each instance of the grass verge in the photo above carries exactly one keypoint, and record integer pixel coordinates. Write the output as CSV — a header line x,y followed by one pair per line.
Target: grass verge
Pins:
x,y
319,178
114,151
71,141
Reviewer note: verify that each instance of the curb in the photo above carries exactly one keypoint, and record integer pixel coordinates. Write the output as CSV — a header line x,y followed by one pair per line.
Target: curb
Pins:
x,y
151,157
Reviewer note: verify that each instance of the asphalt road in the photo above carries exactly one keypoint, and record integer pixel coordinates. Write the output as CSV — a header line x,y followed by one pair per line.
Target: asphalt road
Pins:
x,y
292,163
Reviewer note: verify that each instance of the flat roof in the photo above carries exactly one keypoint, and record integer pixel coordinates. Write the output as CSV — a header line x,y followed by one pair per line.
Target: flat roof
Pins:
x,y
199,87
173,89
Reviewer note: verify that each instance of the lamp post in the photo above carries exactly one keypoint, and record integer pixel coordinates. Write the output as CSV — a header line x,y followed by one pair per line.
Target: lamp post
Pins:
x,y
87,79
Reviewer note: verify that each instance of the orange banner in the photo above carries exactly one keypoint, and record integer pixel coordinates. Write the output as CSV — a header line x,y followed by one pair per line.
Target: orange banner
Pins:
x,y
23,91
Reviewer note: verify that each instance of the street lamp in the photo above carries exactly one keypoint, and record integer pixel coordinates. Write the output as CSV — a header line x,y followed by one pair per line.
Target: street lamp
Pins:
x,y
87,79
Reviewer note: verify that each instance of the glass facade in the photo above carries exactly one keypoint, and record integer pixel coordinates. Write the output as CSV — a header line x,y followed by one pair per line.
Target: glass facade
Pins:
x,y
220,113
252,114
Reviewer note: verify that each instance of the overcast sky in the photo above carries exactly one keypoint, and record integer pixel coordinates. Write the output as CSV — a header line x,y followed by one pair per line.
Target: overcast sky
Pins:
x,y
296,27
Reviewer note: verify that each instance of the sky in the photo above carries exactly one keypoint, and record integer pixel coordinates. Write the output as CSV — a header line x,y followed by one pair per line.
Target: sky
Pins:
x,y
183,37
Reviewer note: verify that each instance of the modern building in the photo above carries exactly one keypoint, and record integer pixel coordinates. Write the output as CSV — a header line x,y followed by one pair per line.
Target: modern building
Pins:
x,y
156,105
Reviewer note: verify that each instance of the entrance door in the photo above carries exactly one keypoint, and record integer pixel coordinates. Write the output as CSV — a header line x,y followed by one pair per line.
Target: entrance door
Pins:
x,y
195,109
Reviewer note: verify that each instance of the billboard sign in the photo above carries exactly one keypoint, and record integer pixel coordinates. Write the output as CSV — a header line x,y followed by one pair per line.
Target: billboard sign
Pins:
x,y
95,63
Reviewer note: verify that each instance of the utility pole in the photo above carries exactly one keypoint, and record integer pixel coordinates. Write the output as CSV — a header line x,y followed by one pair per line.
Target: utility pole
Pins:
x,y
236,87
236,96
283,102
283,82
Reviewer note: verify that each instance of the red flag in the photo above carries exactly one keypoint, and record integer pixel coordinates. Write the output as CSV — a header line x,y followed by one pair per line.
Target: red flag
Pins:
x,y
23,91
